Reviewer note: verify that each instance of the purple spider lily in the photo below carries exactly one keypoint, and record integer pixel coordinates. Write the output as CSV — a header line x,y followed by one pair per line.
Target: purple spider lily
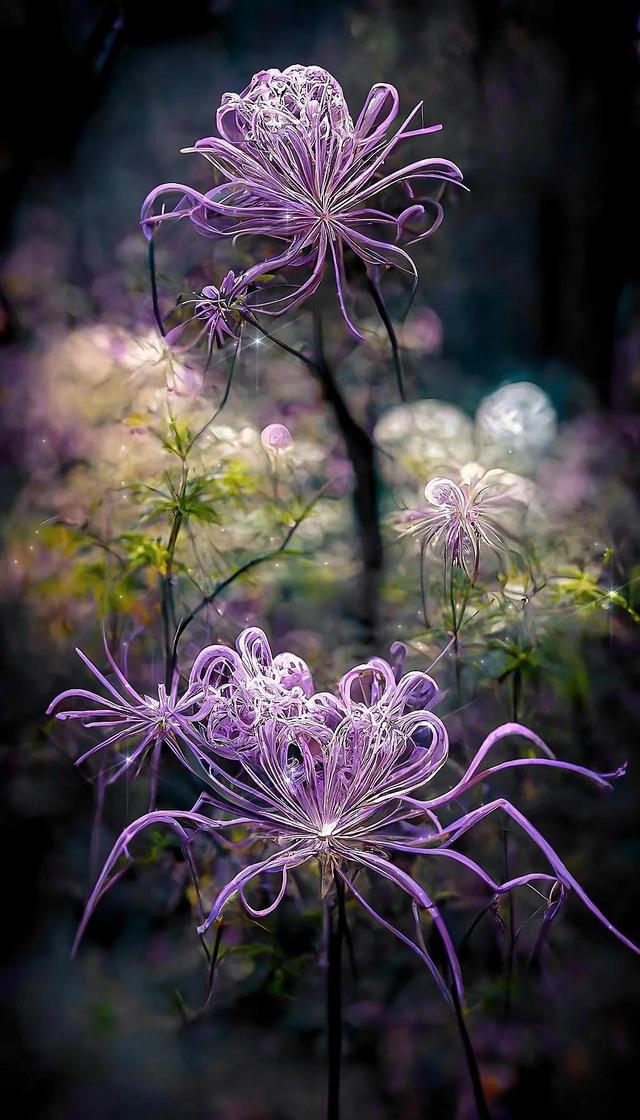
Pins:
x,y
142,722
217,313
220,313
293,166
248,687
347,792
228,692
460,519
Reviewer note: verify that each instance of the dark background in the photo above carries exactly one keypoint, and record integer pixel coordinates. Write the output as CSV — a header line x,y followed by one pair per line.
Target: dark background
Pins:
x,y
535,272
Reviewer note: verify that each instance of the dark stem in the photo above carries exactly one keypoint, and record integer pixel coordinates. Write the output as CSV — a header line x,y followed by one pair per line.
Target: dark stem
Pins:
x,y
423,584
455,626
215,951
381,308
472,1062
334,1000
512,921
361,451
222,402
154,288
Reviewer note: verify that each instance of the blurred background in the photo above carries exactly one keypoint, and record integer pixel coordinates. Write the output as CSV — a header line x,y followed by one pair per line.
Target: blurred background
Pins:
x,y
534,276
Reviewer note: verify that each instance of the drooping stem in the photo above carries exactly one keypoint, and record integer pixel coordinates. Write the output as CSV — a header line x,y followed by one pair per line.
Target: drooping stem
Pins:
x,y
154,288
221,403
381,308
336,929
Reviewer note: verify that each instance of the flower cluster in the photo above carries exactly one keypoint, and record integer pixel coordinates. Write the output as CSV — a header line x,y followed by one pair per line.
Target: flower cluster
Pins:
x,y
292,166
337,779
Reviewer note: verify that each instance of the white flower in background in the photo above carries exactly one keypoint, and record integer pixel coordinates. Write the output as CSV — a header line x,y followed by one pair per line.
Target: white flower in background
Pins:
x,y
425,435
516,423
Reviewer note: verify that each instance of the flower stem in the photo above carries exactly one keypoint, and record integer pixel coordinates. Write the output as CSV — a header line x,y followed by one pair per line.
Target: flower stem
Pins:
x,y
423,585
154,288
472,1062
168,603
381,308
504,828
336,927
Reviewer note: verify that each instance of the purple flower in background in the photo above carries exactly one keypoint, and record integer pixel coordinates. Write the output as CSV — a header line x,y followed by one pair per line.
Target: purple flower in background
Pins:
x,y
292,165
136,722
217,313
276,438
460,519
340,782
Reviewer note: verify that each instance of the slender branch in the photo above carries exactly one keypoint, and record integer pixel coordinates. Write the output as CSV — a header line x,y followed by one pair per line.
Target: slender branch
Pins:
x,y
263,558
299,354
472,928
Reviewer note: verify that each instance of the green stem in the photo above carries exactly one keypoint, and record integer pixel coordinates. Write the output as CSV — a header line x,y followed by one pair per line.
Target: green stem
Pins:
x,y
168,601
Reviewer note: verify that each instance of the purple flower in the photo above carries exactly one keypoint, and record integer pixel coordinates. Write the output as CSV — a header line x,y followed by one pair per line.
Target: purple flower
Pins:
x,y
275,438
342,782
248,687
136,722
218,313
460,518
292,165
